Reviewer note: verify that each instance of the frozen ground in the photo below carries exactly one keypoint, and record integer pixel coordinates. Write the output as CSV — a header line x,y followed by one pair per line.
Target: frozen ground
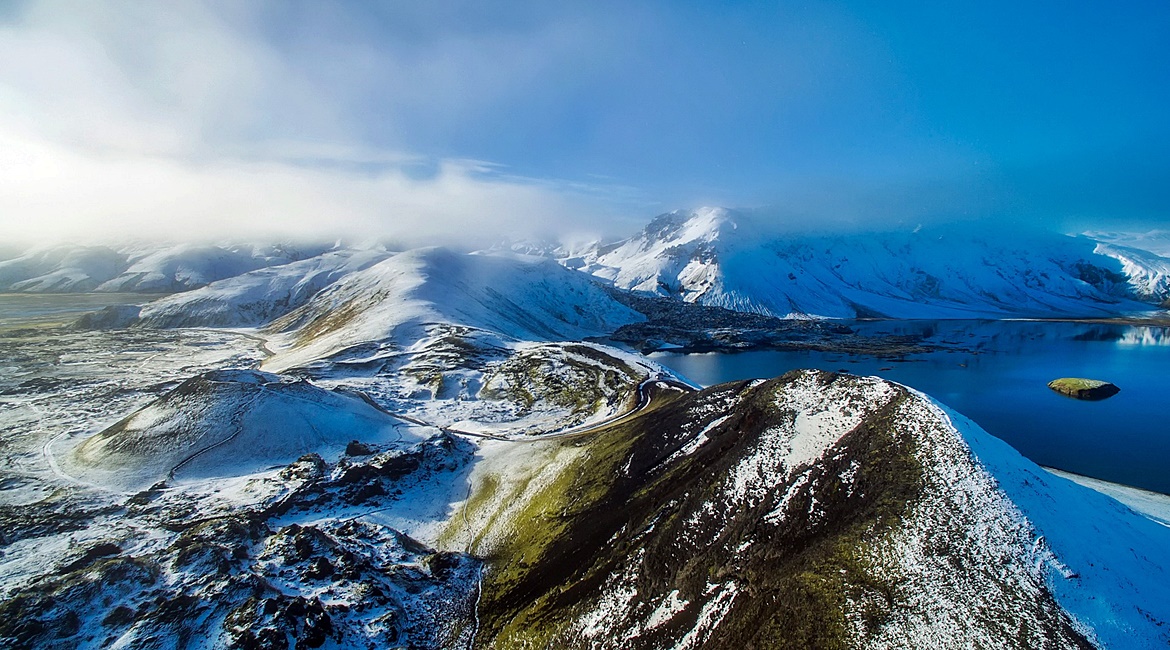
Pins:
x,y
136,469
141,267
59,385
242,530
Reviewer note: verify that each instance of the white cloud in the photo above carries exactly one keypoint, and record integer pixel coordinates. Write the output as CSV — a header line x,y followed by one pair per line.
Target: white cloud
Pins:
x,y
174,120
50,190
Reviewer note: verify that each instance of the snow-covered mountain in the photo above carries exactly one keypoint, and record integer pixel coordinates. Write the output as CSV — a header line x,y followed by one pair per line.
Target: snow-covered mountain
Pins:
x,y
447,462
1148,273
482,342
815,511
252,299
61,269
139,268
1154,241
398,299
715,256
149,496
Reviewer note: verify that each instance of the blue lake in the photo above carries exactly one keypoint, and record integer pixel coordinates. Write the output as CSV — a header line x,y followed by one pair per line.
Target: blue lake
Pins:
x,y
999,381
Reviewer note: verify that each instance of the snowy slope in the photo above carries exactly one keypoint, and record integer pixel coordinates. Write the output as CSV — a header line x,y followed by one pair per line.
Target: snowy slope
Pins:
x,y
252,299
229,423
61,269
397,300
1148,273
432,334
813,510
156,268
714,256
1113,565
1154,241
261,540
187,266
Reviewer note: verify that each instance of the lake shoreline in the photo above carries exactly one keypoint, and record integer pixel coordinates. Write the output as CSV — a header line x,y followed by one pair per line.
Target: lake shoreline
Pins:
x,y
1154,505
997,373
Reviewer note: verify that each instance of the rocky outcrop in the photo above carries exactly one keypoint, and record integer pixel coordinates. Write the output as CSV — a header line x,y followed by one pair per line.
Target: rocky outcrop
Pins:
x,y
109,318
1086,389
287,560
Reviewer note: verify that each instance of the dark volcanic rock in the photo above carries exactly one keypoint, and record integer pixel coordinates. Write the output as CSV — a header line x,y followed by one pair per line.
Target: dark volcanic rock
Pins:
x,y
679,326
109,318
358,448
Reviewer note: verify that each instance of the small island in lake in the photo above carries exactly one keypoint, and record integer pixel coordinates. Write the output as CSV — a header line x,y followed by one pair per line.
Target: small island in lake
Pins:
x,y
1086,389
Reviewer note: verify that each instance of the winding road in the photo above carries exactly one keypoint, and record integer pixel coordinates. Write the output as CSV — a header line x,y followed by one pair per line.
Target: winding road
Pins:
x,y
645,398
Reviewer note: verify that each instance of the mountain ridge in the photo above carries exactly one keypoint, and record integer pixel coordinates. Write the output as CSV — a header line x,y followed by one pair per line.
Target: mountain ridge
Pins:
x,y
719,257
140,268
811,510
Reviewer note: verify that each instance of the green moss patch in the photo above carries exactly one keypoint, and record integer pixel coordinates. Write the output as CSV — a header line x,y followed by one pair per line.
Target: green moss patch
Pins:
x,y
1086,389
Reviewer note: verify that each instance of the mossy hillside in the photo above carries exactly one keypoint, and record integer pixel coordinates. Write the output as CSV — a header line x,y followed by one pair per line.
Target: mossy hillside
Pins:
x,y
805,568
577,378
459,534
451,347
800,573
439,364
310,324
529,536
810,570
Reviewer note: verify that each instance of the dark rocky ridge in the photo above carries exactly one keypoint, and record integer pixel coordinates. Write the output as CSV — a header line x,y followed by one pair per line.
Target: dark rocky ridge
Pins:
x,y
641,524
690,327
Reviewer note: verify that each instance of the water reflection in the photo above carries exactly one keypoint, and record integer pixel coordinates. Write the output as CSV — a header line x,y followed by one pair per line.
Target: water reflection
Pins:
x,y
1145,336
1100,334
1007,335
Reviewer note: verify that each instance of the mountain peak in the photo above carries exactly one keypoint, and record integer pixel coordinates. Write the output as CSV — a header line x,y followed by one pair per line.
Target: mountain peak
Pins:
x,y
706,224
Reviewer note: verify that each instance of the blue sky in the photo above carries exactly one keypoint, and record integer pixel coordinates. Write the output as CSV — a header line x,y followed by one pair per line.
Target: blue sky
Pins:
x,y
309,117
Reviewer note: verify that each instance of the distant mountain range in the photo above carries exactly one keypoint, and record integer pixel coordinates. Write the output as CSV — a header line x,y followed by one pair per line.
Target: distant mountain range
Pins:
x,y
719,257
141,268
710,256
